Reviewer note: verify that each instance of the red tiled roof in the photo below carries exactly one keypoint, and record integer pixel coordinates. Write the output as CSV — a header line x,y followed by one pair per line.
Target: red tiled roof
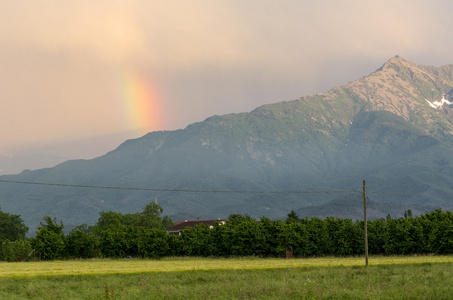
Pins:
x,y
191,223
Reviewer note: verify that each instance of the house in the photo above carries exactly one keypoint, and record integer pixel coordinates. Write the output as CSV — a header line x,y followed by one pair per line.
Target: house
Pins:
x,y
177,227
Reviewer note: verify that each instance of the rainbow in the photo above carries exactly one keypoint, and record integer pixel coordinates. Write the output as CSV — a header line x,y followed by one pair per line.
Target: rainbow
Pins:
x,y
141,102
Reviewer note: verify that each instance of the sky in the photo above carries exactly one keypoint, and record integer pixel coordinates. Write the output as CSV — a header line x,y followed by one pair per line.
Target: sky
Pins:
x,y
77,71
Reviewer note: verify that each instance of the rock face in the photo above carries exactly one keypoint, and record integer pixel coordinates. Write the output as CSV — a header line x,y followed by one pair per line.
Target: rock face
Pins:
x,y
392,128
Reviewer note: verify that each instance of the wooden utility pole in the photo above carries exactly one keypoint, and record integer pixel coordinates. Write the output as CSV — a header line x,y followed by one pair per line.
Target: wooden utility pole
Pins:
x,y
365,223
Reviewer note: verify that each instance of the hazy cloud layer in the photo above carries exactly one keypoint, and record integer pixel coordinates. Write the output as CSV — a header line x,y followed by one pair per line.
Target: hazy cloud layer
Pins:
x,y
61,60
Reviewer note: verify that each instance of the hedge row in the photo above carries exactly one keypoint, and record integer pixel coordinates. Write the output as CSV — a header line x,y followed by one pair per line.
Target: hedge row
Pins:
x,y
244,236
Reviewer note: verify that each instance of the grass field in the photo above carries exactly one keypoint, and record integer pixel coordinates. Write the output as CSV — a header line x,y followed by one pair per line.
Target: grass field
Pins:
x,y
415,277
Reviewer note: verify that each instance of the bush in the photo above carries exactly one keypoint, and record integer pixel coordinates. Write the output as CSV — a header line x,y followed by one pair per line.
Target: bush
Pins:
x,y
17,250
80,244
49,243
153,243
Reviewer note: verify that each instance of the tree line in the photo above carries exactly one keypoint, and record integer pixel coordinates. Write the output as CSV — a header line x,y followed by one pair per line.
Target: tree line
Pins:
x,y
143,234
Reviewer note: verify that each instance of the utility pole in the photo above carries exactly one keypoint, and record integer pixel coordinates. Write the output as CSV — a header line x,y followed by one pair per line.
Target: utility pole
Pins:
x,y
365,223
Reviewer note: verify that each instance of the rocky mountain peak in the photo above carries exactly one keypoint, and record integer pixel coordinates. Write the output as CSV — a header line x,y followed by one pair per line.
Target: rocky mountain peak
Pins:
x,y
407,90
397,64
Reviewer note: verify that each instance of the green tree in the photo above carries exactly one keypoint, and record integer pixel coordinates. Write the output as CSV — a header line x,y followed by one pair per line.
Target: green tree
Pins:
x,y
12,227
121,235
81,244
408,214
84,228
318,238
51,225
219,236
238,218
108,220
49,239
278,236
11,251
119,242
153,242
197,241
437,227
50,244
298,239
346,237
244,237
150,216
441,238
403,236
376,236
292,216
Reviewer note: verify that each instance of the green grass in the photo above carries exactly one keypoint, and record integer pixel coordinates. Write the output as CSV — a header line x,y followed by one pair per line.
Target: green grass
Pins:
x,y
247,278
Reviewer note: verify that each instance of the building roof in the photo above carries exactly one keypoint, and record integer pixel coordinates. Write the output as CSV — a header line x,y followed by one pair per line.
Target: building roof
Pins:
x,y
191,223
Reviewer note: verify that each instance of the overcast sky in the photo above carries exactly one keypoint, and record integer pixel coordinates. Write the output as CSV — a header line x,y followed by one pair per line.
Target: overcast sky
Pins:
x,y
74,69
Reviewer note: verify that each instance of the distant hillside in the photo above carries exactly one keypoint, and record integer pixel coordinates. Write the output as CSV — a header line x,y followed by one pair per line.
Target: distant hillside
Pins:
x,y
392,128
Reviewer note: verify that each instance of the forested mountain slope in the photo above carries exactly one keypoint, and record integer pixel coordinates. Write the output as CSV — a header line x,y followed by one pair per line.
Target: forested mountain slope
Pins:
x,y
393,128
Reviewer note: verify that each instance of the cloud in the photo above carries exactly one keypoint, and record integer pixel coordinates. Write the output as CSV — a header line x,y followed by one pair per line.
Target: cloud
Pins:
x,y
173,35
106,30
287,36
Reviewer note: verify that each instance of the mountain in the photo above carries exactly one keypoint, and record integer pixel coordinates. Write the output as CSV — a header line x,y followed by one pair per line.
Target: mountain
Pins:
x,y
51,153
393,128
11,164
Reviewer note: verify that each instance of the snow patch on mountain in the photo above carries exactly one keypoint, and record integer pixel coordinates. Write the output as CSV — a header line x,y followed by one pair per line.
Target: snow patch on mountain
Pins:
x,y
439,104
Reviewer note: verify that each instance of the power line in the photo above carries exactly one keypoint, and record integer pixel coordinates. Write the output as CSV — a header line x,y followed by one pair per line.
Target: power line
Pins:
x,y
219,191
174,190
408,195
